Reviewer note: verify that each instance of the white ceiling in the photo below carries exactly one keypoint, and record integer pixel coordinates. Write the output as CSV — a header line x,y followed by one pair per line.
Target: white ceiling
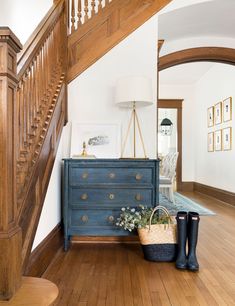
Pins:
x,y
215,18
186,74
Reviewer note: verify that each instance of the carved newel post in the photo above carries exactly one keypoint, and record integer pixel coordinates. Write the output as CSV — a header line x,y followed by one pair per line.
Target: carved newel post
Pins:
x,y
10,233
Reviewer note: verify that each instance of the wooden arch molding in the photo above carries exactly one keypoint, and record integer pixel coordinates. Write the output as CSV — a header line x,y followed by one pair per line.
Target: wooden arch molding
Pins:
x,y
211,54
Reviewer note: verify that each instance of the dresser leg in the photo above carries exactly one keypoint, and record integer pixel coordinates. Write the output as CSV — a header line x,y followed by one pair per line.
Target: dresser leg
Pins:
x,y
66,243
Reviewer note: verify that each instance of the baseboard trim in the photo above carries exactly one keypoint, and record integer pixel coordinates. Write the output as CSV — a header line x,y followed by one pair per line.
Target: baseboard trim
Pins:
x,y
186,186
105,239
44,253
219,194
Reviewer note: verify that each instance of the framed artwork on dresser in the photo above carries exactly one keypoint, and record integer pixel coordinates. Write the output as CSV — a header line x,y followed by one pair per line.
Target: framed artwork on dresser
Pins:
x,y
101,140
227,109
218,113
218,140
227,139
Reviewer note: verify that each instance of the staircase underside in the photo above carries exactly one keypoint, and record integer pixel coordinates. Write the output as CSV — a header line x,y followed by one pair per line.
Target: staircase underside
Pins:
x,y
104,31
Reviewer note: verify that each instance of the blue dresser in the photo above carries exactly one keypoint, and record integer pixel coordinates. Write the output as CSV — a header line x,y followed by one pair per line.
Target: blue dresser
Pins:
x,y
96,189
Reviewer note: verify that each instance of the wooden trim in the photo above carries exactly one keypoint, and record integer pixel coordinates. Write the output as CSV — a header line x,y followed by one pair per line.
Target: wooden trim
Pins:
x,y
211,54
187,186
105,239
219,194
44,253
160,44
177,104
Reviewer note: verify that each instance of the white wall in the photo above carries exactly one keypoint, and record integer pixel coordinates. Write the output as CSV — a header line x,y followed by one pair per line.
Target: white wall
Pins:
x,y
23,16
214,168
91,95
171,46
185,92
51,213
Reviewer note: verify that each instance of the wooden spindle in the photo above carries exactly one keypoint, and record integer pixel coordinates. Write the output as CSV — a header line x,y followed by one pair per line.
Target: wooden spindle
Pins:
x,y
85,10
79,14
73,16
92,7
99,5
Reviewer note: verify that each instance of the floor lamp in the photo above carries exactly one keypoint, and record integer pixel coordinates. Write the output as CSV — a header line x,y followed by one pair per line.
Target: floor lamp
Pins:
x,y
134,92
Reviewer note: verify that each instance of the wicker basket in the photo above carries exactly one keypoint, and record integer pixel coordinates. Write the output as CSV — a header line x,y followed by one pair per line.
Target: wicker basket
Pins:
x,y
159,240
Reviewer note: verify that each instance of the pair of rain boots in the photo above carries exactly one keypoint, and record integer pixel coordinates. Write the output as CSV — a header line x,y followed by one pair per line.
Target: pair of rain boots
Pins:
x,y
187,229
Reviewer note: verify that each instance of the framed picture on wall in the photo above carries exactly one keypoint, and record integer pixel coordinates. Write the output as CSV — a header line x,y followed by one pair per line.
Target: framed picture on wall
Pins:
x,y
227,109
101,140
210,142
218,140
210,116
227,138
218,113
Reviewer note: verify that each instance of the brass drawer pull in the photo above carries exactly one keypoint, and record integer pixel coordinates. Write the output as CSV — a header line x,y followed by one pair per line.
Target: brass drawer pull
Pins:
x,y
138,197
112,175
110,219
111,196
84,196
138,177
84,219
85,175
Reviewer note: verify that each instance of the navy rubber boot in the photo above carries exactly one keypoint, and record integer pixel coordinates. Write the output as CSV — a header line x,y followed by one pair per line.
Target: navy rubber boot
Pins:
x,y
193,224
181,260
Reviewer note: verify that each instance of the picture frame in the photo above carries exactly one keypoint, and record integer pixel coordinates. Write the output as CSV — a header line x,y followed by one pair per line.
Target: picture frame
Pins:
x,y
218,113
210,142
227,109
227,139
101,140
210,116
218,140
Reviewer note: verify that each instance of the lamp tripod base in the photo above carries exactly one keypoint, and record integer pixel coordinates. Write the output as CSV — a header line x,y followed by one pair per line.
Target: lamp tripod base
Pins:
x,y
135,121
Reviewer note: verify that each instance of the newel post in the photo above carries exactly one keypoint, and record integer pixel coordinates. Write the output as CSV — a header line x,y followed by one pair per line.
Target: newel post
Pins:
x,y
10,233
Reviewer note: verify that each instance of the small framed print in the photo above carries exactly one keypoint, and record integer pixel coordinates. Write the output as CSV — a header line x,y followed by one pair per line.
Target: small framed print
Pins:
x,y
218,113
227,138
210,142
210,116
227,109
218,140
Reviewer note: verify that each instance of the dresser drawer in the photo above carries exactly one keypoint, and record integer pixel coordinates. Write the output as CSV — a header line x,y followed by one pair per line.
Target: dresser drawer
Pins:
x,y
110,197
137,176
87,218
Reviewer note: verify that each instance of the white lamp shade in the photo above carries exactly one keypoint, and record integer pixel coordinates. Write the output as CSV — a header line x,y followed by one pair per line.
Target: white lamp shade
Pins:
x,y
134,89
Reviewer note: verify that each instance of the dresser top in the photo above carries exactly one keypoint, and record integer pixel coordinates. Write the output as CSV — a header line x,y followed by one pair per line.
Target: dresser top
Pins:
x,y
110,159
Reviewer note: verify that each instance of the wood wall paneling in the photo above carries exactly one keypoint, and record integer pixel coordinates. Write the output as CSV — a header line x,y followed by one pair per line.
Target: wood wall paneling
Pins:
x,y
10,233
103,31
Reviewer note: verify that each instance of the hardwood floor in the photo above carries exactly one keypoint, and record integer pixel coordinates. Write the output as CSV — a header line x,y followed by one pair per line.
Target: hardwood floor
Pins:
x,y
117,275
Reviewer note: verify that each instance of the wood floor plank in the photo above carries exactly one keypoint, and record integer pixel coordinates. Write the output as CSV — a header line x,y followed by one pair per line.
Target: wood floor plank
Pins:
x,y
117,275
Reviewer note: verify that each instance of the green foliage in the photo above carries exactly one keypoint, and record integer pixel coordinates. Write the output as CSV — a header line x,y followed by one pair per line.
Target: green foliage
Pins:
x,y
133,218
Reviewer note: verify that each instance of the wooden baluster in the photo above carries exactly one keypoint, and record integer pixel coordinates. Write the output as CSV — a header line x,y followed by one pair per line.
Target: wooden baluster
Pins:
x,y
73,16
92,7
79,14
85,10
99,5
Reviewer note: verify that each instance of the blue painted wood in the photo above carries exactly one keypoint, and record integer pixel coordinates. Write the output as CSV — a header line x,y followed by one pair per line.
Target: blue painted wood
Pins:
x,y
96,189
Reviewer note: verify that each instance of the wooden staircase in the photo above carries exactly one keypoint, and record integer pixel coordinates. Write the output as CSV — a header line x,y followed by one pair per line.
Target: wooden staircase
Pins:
x,y
33,109
92,37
